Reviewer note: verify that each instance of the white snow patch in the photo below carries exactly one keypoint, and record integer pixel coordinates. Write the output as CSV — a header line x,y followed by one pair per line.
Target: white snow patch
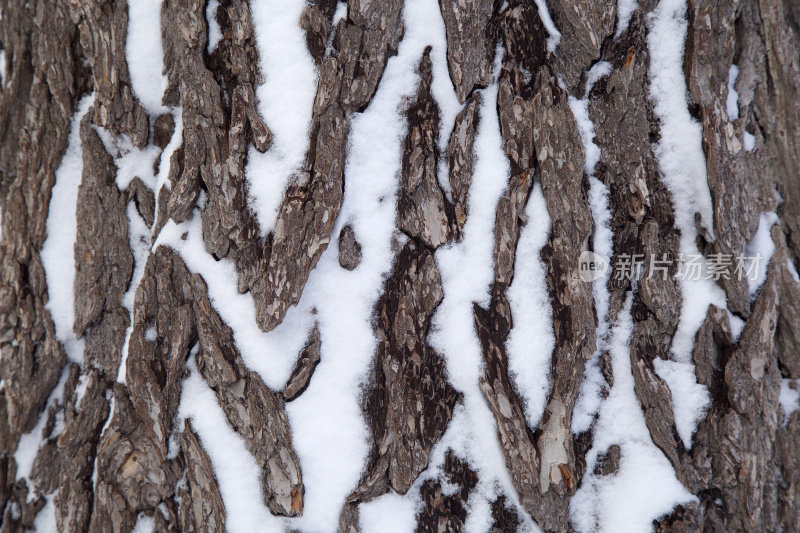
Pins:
x,y
749,141
139,240
467,273
144,524
759,252
145,55
80,390
459,438
58,249
580,110
138,163
339,14
390,513
214,31
45,520
603,246
235,468
732,103
689,398
479,514
130,161
680,151
599,70
625,9
645,486
285,103
792,270
531,341
682,164
30,442
162,178
271,354
345,300
588,401
554,36
789,397
589,398
2,67
442,88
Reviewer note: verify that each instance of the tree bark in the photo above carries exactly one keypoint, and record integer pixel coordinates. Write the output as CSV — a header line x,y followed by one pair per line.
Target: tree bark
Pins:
x,y
111,447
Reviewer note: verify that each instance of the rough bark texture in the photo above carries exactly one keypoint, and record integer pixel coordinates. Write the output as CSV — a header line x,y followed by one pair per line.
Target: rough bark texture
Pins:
x,y
112,447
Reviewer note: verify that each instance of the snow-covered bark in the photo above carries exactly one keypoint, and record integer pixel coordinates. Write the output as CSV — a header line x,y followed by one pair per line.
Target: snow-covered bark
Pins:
x,y
320,266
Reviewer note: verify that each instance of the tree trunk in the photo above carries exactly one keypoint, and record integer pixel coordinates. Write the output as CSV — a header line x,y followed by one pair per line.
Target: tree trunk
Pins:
x,y
371,266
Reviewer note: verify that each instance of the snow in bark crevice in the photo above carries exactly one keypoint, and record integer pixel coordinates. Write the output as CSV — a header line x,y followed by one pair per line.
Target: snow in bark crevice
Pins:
x,y
531,341
144,53
588,402
682,166
57,254
285,101
235,468
344,300
645,486
466,269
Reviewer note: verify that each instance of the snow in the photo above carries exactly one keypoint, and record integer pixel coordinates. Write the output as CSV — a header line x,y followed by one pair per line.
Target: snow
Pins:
x,y
144,524
235,468
467,272
214,31
625,9
599,70
272,354
139,239
285,102
339,14
390,513
603,246
162,178
682,164
759,252
588,401
749,141
580,110
689,398
789,397
130,161
732,106
345,300
2,67
58,249
792,270
30,442
145,54
589,398
645,486
140,163
442,88
554,36
680,151
732,103
45,520
531,341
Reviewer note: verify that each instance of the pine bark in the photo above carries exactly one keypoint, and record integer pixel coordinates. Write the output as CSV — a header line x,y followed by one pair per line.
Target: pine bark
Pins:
x,y
111,452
